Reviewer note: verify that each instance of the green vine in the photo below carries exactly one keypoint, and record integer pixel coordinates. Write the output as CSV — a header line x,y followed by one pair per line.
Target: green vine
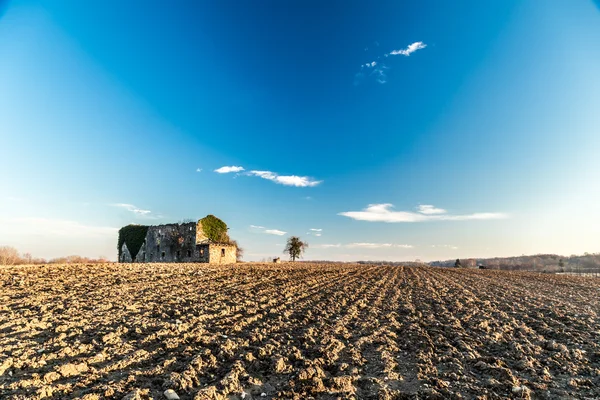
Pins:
x,y
133,236
215,229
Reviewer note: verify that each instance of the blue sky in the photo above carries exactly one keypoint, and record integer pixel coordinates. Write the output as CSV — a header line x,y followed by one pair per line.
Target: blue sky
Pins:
x,y
395,131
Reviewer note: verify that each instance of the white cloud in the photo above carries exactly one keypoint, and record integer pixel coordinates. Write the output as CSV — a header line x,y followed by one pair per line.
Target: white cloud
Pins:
x,y
384,213
144,214
228,169
409,50
275,232
378,72
262,229
364,246
315,232
288,180
447,246
198,169
430,210
326,246
132,208
377,245
59,227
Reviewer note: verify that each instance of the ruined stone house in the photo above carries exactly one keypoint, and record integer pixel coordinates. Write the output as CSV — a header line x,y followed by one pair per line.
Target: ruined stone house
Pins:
x,y
181,243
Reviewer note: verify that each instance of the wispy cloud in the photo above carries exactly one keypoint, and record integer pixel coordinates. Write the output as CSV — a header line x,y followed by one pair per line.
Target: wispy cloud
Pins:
x,y
229,169
13,198
384,213
326,246
377,246
132,208
287,180
262,229
315,232
275,232
446,246
430,210
364,246
198,169
408,50
379,68
59,227
140,213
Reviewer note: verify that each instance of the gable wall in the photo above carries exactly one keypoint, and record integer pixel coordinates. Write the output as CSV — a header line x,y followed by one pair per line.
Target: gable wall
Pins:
x,y
217,257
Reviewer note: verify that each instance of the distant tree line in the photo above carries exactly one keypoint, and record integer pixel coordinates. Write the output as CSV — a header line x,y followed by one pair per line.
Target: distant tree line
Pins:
x,y
586,263
10,256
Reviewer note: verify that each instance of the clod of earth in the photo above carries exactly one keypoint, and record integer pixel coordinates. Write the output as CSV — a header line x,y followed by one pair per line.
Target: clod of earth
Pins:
x,y
197,331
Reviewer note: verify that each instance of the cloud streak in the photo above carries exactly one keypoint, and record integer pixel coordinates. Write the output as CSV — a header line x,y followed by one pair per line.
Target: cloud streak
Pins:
x,y
287,180
315,232
262,229
146,214
377,246
385,213
59,227
326,246
430,210
365,246
379,68
446,246
411,48
229,169
275,232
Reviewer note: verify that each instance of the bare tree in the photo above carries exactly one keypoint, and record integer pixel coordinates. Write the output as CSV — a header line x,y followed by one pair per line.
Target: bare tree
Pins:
x,y
27,258
9,256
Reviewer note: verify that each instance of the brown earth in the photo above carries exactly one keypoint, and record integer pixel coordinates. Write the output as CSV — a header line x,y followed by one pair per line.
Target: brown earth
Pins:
x,y
295,331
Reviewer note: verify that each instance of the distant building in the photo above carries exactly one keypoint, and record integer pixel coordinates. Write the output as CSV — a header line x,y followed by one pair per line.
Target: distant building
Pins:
x,y
277,260
177,243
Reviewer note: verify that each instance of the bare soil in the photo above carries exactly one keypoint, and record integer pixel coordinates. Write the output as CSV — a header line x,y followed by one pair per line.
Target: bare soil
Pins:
x,y
296,332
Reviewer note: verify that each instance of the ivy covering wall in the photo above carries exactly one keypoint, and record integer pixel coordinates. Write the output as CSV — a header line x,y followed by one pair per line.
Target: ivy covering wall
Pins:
x,y
214,229
133,236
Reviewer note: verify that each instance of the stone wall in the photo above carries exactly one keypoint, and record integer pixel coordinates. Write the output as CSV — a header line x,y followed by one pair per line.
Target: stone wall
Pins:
x,y
125,254
222,253
170,243
179,243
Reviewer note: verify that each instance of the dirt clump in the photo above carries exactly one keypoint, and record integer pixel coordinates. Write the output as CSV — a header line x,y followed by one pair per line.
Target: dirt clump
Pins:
x,y
292,331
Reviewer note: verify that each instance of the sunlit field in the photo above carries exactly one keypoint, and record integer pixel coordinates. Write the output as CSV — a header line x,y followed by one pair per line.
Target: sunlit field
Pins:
x,y
295,331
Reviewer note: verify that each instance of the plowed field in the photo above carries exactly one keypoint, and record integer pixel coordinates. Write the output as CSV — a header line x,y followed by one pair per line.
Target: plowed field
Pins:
x,y
296,331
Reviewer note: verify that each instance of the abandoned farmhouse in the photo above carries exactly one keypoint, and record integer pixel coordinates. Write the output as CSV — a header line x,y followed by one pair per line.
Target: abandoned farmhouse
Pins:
x,y
205,241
